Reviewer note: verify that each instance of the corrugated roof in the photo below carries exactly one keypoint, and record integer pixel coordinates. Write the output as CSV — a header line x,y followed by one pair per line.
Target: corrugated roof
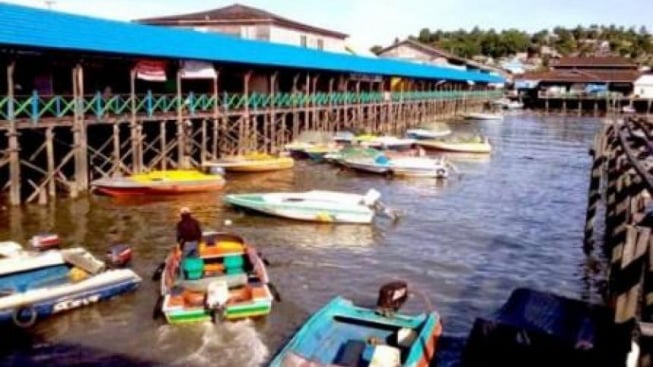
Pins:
x,y
37,28
237,14
603,61
584,76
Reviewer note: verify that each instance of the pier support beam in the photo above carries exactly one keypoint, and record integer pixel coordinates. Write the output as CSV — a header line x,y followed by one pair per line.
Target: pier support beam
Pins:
x,y
79,133
12,135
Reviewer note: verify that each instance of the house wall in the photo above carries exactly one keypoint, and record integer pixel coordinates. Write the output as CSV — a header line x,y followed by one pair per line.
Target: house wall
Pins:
x,y
272,33
294,37
644,86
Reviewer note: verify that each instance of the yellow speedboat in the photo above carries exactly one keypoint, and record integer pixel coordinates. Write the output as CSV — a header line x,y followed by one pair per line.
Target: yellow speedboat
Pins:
x,y
253,162
171,182
477,145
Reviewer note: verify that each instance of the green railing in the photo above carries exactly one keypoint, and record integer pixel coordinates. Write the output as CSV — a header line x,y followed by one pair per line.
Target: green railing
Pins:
x,y
35,107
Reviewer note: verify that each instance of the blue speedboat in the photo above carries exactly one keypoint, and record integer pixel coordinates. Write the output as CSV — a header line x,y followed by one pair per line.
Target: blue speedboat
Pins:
x,y
342,334
35,285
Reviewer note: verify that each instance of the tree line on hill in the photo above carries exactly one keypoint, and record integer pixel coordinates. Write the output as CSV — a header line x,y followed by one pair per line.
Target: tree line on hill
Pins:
x,y
579,41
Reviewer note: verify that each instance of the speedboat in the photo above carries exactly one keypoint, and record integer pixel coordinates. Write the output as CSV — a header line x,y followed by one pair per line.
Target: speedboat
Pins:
x,y
388,142
476,145
35,285
253,162
401,166
343,334
482,116
420,134
508,104
173,182
314,206
227,279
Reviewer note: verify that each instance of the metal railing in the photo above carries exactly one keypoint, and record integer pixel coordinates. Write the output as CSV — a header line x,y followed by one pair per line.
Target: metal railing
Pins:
x,y
35,107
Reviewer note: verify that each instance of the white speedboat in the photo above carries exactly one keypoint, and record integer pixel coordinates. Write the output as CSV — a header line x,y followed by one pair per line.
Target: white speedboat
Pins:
x,y
420,167
34,285
508,104
421,134
482,116
388,142
401,166
315,206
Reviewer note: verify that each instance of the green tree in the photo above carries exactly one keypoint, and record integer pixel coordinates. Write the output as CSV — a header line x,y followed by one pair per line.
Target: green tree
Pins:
x,y
376,49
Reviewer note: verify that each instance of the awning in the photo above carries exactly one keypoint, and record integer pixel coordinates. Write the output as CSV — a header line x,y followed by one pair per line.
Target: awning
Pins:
x,y
151,70
198,70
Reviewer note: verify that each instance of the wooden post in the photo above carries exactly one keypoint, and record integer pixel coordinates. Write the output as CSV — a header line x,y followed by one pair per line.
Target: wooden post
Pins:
x,y
359,108
164,145
181,131
79,133
216,114
305,106
12,135
314,116
135,141
295,115
49,151
246,116
329,116
272,128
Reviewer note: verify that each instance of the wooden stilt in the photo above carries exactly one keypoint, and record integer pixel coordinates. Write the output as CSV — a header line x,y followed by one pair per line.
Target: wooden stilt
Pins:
x,y
216,115
13,147
273,128
134,131
182,142
247,144
162,139
295,115
49,151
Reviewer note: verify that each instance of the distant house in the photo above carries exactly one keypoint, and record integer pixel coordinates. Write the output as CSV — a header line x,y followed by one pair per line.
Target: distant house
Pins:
x,y
644,86
580,73
257,24
418,52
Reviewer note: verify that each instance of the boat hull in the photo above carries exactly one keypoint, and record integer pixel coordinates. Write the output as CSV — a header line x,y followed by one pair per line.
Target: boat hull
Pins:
x,y
254,165
323,337
332,213
127,186
54,300
478,148
482,116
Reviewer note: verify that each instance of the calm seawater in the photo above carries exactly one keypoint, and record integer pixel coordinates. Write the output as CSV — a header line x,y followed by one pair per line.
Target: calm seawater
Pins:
x,y
512,220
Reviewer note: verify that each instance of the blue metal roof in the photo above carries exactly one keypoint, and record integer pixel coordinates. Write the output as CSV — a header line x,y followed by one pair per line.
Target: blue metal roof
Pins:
x,y
30,27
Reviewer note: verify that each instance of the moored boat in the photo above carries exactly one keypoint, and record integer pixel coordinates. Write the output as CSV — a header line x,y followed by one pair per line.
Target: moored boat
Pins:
x,y
37,285
343,334
173,182
253,162
226,280
401,166
423,133
482,116
388,142
315,206
476,145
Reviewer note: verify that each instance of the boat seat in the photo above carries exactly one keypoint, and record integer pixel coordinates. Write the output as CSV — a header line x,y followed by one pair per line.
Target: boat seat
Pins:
x,y
201,285
350,354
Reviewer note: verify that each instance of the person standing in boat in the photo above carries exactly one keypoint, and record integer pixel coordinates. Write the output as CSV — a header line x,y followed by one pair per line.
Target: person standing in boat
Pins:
x,y
189,233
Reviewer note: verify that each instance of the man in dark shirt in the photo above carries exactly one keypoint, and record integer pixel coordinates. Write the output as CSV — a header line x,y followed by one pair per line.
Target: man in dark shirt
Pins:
x,y
189,233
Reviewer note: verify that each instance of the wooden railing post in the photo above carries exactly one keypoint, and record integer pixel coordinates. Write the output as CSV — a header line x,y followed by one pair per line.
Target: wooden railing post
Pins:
x,y
12,135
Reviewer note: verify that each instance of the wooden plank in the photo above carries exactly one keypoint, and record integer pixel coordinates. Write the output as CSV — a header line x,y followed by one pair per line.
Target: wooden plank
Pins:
x,y
49,152
13,147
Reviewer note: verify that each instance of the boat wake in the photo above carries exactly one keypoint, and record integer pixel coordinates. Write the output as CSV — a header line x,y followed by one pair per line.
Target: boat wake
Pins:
x,y
227,344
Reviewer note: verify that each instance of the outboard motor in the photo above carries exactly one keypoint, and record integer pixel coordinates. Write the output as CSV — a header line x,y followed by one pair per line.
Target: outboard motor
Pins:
x,y
119,255
45,241
391,297
217,295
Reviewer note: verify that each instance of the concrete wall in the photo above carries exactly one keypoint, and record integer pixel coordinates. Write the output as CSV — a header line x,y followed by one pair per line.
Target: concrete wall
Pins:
x,y
644,86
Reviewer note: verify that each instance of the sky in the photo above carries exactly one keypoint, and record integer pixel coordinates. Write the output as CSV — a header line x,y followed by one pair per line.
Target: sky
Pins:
x,y
379,22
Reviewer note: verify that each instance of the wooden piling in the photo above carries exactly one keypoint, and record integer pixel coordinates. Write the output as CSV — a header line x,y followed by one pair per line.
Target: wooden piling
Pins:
x,y
12,135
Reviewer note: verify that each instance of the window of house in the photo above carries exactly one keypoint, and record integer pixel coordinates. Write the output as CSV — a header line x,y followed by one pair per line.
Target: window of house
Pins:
x,y
303,41
262,33
320,44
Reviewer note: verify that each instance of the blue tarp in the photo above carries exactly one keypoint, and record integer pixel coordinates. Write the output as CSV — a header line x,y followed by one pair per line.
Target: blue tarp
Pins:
x,y
37,28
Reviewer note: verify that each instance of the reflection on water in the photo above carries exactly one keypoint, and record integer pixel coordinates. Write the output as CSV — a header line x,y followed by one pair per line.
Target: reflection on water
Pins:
x,y
513,219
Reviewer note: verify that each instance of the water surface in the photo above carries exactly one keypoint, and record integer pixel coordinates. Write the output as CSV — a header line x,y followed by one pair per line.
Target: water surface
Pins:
x,y
512,220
